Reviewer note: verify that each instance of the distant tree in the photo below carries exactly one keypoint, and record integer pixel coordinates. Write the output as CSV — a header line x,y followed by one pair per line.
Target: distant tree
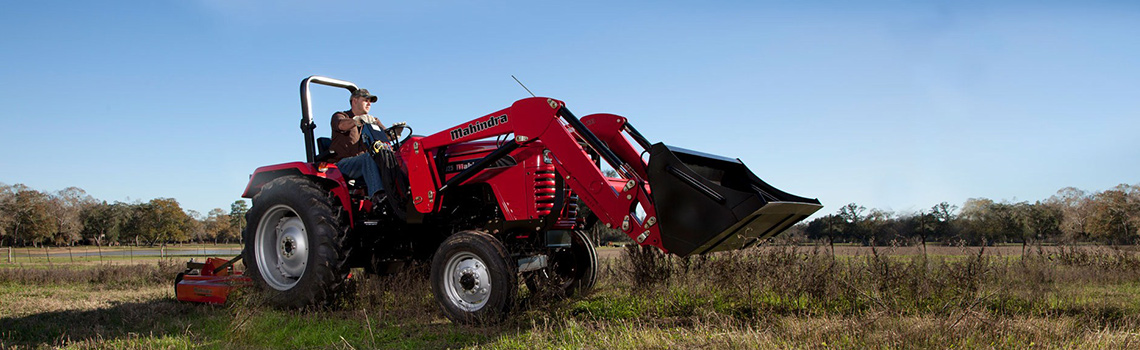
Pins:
x,y
943,215
923,225
1076,207
103,223
826,228
1113,215
218,226
851,216
876,227
138,223
160,220
813,229
976,214
987,221
195,226
32,217
1134,198
176,223
795,235
131,232
1040,220
7,216
237,215
66,207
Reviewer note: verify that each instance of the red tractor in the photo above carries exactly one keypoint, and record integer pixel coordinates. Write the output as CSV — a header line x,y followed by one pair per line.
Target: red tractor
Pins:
x,y
495,200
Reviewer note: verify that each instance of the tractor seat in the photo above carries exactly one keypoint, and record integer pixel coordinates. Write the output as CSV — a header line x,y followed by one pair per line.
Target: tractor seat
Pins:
x,y
323,152
356,186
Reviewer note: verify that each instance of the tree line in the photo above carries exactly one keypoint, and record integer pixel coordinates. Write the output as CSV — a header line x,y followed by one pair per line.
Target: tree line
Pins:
x,y
70,216
1071,215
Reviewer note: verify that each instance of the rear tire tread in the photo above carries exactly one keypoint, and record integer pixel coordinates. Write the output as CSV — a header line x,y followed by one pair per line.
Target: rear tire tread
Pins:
x,y
329,230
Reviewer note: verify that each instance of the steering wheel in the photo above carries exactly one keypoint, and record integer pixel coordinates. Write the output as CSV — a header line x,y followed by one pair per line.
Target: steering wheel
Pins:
x,y
384,138
396,142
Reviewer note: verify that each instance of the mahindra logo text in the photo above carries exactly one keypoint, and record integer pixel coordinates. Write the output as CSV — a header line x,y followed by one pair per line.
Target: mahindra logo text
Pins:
x,y
478,126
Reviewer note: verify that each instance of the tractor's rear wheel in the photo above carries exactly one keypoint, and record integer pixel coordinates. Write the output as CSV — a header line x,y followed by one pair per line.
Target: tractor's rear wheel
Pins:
x,y
569,272
472,278
294,243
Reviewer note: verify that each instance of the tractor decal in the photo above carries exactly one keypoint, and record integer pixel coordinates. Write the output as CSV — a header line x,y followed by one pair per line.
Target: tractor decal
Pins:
x,y
478,126
455,167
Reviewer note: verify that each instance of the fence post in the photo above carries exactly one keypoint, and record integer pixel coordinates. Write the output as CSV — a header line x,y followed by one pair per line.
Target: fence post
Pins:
x,y
47,254
9,255
72,256
132,253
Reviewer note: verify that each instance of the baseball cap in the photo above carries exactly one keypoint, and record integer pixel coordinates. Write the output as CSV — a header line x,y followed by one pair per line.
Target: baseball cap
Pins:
x,y
364,93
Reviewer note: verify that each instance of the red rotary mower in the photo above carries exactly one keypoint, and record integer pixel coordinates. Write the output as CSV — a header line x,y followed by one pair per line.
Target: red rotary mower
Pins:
x,y
492,202
210,282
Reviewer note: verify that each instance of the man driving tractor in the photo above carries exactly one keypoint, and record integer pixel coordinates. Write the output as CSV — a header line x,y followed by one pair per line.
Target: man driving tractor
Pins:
x,y
348,145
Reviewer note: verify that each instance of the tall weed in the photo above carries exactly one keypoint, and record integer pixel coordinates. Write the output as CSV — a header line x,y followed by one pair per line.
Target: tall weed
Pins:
x,y
161,272
754,284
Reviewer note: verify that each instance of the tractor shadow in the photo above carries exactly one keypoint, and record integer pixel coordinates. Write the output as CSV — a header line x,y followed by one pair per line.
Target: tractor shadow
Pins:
x,y
396,311
407,326
403,313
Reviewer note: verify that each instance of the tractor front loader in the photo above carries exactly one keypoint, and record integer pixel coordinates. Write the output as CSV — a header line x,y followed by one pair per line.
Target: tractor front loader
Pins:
x,y
494,201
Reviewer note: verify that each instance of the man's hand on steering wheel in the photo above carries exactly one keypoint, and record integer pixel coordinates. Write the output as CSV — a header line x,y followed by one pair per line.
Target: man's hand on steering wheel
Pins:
x,y
365,119
395,130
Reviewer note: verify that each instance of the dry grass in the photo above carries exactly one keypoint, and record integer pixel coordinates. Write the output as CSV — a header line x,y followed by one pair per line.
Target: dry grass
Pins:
x,y
47,299
958,251
771,297
821,333
404,297
155,272
1054,298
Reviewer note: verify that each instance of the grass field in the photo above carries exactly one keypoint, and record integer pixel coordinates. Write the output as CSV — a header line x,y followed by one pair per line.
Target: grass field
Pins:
x,y
772,297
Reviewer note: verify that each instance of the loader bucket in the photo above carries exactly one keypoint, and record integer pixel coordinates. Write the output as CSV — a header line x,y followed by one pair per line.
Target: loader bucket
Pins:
x,y
707,203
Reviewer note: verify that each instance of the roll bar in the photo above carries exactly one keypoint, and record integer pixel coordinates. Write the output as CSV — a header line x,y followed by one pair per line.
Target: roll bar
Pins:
x,y
307,125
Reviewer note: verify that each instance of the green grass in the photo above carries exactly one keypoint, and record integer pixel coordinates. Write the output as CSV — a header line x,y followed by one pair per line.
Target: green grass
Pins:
x,y
774,298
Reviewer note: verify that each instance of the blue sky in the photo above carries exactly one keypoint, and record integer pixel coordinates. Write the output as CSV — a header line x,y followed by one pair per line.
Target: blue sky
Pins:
x,y
890,104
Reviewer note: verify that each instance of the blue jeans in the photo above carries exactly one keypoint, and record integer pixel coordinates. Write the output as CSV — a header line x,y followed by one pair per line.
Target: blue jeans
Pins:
x,y
362,166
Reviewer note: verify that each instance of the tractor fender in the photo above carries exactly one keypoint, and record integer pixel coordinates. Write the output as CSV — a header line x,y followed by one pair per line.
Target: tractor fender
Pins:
x,y
329,178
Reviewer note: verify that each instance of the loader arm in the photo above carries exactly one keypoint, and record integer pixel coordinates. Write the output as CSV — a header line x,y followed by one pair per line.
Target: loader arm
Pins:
x,y
738,216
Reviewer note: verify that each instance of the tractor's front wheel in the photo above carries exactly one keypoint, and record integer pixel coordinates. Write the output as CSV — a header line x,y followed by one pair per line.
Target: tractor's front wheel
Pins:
x,y
294,243
472,278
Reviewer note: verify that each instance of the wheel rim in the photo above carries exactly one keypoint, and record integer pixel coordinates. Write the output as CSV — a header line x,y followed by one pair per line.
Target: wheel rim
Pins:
x,y
467,282
282,247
